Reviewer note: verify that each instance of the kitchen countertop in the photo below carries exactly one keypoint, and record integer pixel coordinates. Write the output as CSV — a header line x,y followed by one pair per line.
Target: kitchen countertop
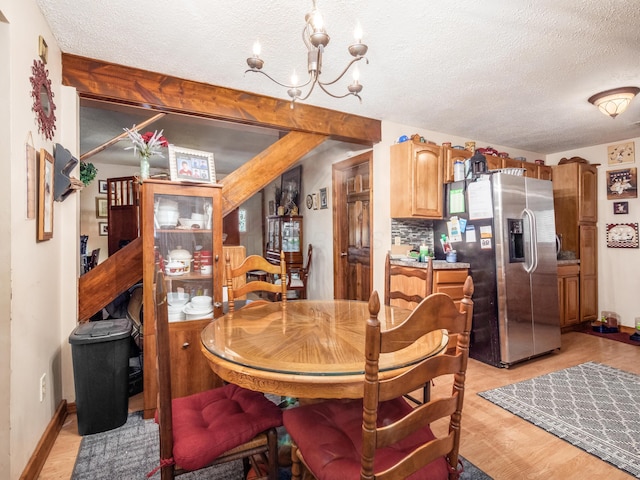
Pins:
x,y
437,264
575,261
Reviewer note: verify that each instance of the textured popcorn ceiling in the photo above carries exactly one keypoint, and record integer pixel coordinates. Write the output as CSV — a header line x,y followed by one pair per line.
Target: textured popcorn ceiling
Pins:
x,y
510,72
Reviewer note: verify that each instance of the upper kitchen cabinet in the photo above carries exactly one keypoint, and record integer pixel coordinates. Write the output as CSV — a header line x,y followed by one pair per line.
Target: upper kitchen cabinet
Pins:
x,y
451,156
575,198
417,176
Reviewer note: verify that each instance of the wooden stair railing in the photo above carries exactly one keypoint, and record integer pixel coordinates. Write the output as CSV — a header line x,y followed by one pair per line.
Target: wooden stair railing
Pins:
x,y
100,285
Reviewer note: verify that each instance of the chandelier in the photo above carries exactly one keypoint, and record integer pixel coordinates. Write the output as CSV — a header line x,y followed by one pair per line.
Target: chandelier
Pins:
x,y
315,38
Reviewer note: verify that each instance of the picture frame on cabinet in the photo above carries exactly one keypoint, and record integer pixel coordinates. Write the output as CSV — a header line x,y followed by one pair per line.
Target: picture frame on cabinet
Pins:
x,y
622,235
45,196
620,208
188,165
622,184
621,153
103,229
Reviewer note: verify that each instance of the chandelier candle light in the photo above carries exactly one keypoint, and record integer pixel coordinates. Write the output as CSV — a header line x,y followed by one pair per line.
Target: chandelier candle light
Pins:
x,y
315,38
147,145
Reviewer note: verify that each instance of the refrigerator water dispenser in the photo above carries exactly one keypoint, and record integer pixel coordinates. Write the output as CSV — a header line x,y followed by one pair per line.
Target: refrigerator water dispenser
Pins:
x,y
516,240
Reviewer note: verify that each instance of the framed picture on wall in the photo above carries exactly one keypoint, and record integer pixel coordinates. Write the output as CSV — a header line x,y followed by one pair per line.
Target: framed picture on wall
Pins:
x,y
103,229
622,235
290,188
622,153
622,184
102,186
45,196
324,203
620,208
101,207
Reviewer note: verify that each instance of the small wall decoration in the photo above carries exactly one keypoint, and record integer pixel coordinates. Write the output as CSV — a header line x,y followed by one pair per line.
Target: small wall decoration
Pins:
x,y
620,208
622,153
622,184
101,207
102,186
316,203
42,95
103,229
190,165
622,235
45,196
32,175
272,207
323,198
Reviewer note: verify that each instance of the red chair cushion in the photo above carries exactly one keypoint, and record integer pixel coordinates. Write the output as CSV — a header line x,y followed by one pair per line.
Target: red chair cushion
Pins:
x,y
209,423
329,435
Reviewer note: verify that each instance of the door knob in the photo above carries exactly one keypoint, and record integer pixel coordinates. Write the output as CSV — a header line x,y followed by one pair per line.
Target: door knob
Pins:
x,y
185,345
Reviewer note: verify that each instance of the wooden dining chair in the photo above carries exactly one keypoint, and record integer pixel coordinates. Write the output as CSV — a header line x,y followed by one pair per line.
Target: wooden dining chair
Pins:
x,y
251,264
410,286
211,427
297,277
382,436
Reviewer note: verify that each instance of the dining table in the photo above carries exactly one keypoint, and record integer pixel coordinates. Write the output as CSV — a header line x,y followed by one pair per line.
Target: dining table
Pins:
x,y
309,349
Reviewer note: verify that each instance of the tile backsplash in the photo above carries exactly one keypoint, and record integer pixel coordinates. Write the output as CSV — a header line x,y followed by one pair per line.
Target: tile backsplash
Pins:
x,y
412,232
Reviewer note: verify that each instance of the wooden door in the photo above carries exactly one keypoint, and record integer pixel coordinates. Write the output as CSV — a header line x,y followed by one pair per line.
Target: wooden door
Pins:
x,y
352,201
123,212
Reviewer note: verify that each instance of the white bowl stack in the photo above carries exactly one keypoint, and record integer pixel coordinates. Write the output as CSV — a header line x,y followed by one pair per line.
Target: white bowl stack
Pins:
x,y
199,307
177,301
167,213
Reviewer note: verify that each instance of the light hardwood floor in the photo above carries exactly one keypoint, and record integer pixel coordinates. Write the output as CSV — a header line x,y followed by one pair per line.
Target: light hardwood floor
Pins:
x,y
503,445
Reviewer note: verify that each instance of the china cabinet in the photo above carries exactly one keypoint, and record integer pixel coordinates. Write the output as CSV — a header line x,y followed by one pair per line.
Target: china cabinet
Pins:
x,y
284,233
416,180
182,235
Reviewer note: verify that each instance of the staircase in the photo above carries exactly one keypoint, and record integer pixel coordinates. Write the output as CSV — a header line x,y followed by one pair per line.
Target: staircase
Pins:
x,y
100,285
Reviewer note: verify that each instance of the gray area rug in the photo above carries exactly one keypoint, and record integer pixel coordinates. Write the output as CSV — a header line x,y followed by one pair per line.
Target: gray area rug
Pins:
x,y
131,451
593,406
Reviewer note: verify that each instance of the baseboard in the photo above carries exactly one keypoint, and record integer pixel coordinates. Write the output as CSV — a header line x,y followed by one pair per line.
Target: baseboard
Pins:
x,y
39,456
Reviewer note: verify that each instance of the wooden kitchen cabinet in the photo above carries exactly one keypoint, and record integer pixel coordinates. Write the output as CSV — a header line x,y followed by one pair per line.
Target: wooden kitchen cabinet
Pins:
x,y
545,172
451,282
451,156
576,213
416,180
161,235
569,294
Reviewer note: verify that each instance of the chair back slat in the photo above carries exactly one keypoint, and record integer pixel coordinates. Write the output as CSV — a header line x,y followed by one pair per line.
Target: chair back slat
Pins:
x,y
256,263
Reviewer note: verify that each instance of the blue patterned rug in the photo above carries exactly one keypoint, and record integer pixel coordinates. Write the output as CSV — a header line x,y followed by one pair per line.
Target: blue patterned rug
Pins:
x,y
592,406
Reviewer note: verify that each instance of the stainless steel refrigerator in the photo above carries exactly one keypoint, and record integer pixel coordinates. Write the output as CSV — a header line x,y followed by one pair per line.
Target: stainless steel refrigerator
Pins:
x,y
509,241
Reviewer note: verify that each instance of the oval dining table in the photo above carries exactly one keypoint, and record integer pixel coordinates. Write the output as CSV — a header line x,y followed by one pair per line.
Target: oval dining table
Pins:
x,y
306,348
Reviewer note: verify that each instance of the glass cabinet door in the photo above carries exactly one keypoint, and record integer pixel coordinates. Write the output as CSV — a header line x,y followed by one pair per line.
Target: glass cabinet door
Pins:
x,y
183,248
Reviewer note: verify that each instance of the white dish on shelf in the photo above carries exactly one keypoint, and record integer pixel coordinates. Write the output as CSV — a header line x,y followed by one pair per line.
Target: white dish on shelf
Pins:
x,y
189,309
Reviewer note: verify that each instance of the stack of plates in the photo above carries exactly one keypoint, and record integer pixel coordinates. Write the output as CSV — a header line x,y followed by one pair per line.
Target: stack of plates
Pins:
x,y
176,313
196,313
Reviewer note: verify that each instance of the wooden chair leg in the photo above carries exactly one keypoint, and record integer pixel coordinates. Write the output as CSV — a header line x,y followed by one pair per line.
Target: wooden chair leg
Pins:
x,y
296,473
272,442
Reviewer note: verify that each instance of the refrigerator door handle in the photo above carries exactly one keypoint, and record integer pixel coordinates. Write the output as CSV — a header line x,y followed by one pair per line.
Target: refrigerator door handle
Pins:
x,y
533,249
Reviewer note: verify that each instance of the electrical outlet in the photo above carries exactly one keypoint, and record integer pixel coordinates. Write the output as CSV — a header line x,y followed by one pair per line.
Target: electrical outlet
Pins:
x,y
397,240
43,386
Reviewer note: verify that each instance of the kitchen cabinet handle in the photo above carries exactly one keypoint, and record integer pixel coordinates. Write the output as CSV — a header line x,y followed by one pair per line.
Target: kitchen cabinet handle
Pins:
x,y
217,304
185,345
343,254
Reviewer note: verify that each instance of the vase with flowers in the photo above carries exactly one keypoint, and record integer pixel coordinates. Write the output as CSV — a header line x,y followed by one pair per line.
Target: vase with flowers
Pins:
x,y
146,145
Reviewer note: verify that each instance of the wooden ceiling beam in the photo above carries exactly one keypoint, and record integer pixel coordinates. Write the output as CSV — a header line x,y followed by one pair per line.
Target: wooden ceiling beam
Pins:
x,y
265,167
117,83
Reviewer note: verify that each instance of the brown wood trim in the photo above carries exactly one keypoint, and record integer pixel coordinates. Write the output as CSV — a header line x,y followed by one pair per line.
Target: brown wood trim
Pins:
x,y
102,284
117,83
40,454
265,167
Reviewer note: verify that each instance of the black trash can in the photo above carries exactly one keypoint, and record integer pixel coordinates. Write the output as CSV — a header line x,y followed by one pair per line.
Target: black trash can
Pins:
x,y
100,353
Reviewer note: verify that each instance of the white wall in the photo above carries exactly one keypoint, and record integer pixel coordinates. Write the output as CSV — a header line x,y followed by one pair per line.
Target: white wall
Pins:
x,y
617,267
89,222
42,274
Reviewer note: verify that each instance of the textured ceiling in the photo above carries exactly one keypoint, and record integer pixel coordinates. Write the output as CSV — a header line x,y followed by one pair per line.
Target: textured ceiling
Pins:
x,y
510,73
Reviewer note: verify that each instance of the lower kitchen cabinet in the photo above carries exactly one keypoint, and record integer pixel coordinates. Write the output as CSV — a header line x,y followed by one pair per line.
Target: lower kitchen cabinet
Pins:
x,y
451,282
569,294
